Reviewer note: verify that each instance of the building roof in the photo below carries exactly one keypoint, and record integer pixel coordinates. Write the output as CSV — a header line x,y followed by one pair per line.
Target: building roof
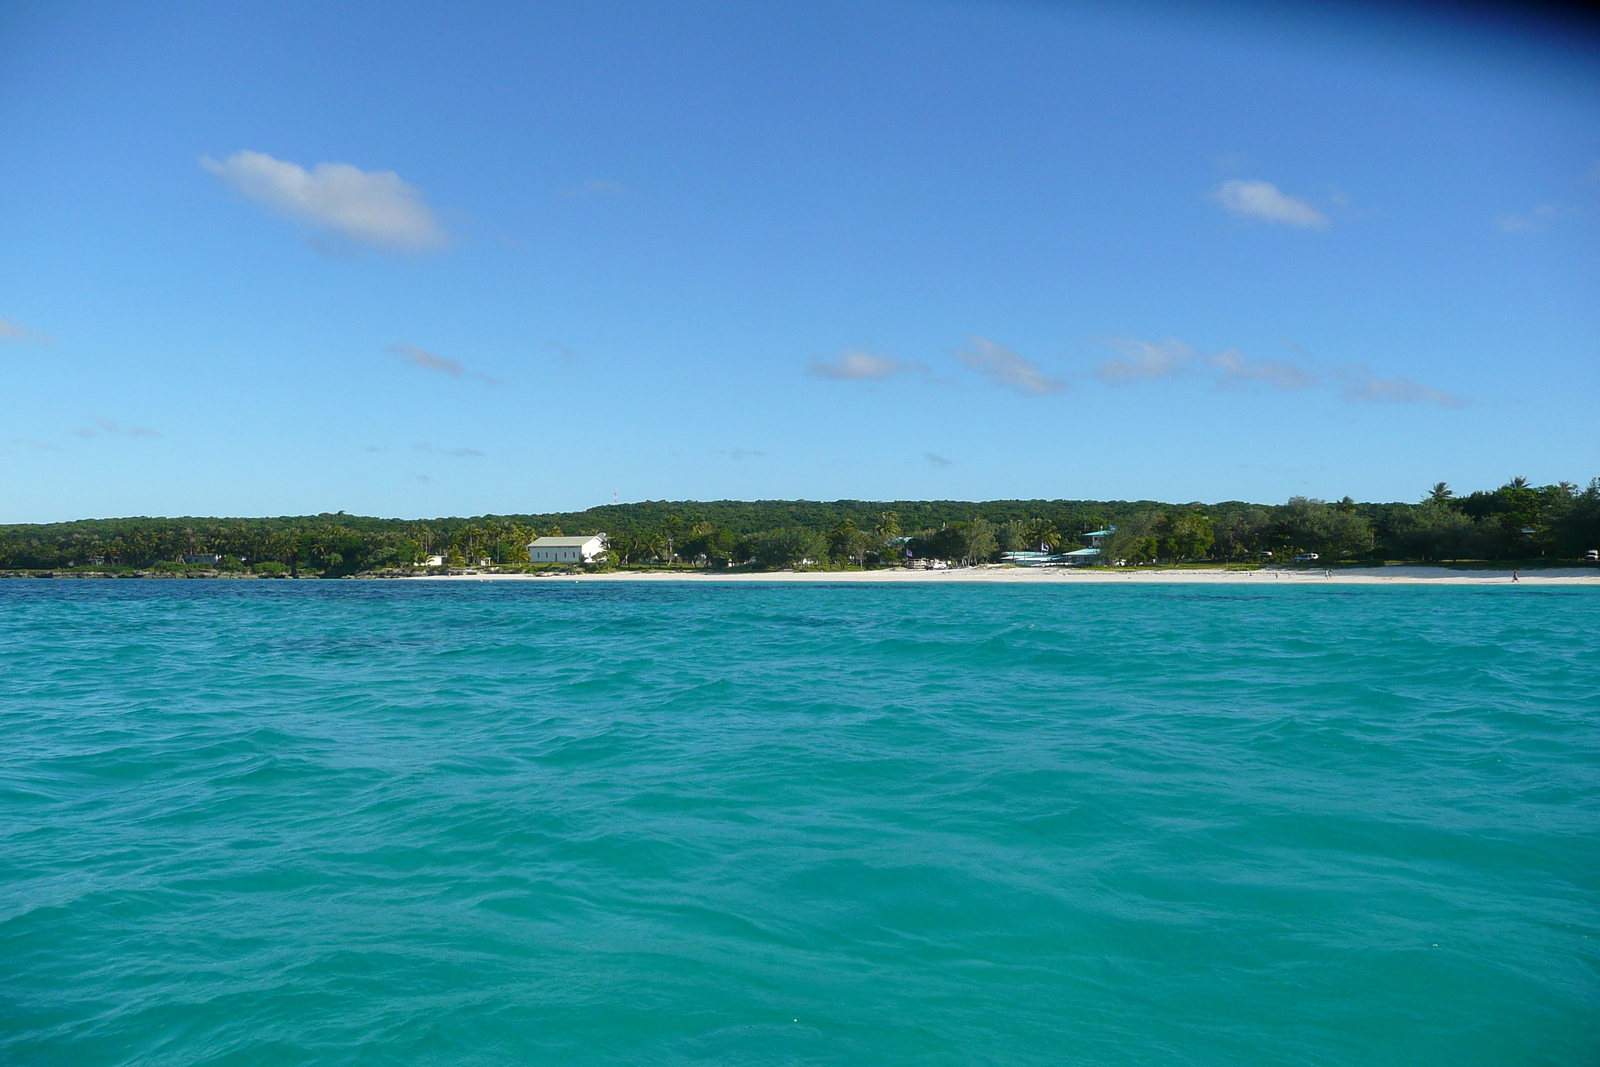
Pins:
x,y
1030,559
564,542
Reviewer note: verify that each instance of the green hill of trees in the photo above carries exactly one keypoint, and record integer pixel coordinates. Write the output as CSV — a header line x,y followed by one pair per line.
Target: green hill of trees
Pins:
x,y
1517,521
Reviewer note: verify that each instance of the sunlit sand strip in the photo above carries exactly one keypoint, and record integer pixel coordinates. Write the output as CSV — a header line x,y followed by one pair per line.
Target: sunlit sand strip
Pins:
x,y
1398,575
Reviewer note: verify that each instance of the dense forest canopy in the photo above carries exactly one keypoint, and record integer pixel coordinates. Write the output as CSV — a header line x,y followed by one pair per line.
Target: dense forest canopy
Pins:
x,y
1515,521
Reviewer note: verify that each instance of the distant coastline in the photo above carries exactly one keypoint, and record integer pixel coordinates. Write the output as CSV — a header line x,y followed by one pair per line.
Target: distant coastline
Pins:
x,y
1517,525
1533,576
1400,574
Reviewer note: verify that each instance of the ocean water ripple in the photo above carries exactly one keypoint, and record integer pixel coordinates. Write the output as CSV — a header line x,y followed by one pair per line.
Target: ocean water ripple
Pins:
x,y
366,823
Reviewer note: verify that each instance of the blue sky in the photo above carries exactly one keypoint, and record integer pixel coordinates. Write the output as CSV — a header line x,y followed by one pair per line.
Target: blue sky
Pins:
x,y
469,258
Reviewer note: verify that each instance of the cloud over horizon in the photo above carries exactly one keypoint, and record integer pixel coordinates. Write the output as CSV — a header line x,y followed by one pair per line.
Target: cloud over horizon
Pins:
x,y
19,334
1144,360
859,365
1529,221
1362,387
413,356
1003,366
1235,367
1149,361
374,208
111,426
459,453
1266,202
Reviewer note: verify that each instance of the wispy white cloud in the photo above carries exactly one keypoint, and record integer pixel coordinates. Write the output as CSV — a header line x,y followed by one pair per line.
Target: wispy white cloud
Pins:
x,y
41,446
1005,367
1265,201
1362,387
567,353
859,365
1529,221
373,208
936,459
1235,367
460,453
421,357
1145,360
18,334
595,187
110,426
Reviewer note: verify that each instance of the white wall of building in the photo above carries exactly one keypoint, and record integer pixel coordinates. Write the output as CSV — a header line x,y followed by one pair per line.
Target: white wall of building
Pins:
x,y
552,552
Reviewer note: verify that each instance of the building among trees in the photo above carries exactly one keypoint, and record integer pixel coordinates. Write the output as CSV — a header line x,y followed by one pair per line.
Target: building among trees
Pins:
x,y
1077,557
566,549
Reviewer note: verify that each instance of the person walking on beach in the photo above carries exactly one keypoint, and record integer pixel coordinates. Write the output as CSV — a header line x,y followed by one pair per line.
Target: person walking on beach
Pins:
x,y
1515,574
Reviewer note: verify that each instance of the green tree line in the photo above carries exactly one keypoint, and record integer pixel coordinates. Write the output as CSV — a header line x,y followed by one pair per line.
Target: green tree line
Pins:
x,y
1516,521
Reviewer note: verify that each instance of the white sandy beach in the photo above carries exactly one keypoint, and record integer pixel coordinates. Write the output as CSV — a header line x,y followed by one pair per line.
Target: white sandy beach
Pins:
x,y
1395,575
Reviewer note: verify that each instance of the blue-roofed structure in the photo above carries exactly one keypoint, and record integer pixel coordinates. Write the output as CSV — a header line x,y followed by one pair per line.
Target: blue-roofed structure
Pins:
x,y
1078,556
1032,559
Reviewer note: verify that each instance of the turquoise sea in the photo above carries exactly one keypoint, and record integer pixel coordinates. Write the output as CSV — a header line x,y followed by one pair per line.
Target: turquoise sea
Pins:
x,y
551,823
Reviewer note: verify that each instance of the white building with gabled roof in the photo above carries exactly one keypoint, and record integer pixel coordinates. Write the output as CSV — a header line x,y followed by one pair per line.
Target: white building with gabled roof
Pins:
x,y
581,549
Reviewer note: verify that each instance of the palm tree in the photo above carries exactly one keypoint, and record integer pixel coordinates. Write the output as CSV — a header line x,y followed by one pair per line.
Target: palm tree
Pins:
x,y
669,530
1043,533
648,545
1440,492
1519,482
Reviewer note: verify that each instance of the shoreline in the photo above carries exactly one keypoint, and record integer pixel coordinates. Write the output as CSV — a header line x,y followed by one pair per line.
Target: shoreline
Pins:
x,y
1383,574
1404,574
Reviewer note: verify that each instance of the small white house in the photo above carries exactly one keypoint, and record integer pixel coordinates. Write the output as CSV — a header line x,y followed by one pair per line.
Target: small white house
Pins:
x,y
566,549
